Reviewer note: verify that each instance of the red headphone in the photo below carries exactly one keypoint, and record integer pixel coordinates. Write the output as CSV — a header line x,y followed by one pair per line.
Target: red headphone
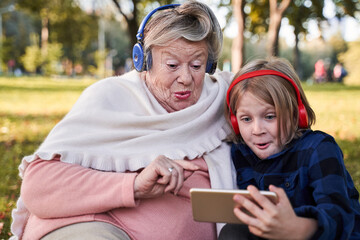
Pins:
x,y
303,117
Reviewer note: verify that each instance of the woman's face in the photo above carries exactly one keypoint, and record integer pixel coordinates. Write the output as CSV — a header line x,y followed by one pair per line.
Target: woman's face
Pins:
x,y
177,73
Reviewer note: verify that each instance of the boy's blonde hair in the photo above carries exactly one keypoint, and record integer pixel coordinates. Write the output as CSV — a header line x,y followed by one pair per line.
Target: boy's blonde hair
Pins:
x,y
275,91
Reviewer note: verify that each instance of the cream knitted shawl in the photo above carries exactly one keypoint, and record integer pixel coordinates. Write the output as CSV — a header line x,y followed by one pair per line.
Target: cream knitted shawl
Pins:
x,y
118,125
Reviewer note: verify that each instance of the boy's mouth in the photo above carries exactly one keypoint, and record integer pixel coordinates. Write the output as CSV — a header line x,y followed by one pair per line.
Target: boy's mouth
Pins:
x,y
262,145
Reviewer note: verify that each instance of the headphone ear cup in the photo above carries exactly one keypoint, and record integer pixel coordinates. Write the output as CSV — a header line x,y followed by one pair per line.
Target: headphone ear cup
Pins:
x,y
303,117
148,61
235,124
138,57
211,67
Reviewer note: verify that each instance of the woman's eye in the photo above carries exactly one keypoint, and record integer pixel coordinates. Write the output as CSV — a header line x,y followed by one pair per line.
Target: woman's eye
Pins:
x,y
197,67
172,65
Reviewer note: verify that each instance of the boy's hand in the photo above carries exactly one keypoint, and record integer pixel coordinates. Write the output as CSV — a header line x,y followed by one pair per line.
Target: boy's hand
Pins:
x,y
273,221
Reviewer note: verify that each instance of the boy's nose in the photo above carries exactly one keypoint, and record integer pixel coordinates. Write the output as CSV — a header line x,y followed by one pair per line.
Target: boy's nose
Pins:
x,y
257,127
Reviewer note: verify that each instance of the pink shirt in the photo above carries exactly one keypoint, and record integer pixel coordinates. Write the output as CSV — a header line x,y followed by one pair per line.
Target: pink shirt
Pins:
x,y
58,194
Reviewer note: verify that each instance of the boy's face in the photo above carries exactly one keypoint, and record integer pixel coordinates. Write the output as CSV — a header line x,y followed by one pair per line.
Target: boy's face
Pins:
x,y
258,125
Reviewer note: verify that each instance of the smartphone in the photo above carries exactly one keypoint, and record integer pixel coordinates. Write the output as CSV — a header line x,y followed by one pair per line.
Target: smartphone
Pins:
x,y
217,205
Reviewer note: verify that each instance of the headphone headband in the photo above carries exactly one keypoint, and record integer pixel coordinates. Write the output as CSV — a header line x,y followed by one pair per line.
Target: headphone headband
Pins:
x,y
140,34
303,118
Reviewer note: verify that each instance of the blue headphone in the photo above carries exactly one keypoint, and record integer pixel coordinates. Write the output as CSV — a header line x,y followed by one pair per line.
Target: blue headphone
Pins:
x,y
138,54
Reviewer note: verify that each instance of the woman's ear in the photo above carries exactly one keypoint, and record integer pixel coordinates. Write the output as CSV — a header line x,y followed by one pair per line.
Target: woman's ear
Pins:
x,y
143,75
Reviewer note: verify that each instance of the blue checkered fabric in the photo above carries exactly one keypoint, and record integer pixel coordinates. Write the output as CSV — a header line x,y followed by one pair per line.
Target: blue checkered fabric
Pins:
x,y
311,170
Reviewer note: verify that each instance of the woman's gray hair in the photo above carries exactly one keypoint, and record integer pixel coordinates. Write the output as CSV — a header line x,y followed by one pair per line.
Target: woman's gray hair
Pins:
x,y
192,20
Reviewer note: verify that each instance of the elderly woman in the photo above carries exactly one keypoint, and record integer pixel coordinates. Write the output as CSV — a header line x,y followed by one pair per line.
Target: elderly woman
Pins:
x,y
122,161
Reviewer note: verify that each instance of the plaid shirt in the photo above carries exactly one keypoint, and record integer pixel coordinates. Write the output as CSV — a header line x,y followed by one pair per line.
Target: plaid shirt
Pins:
x,y
311,170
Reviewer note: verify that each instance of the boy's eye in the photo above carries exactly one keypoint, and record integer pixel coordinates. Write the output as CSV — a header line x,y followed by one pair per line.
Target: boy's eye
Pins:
x,y
270,116
245,119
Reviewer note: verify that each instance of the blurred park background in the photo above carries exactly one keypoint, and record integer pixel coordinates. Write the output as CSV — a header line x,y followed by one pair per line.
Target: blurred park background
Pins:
x,y
51,50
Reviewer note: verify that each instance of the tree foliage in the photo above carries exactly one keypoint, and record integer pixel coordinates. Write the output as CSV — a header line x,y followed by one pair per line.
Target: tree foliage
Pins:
x,y
351,61
258,23
139,9
31,58
77,31
34,58
68,24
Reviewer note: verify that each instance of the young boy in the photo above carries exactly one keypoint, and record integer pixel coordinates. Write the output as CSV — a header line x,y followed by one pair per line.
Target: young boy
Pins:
x,y
276,150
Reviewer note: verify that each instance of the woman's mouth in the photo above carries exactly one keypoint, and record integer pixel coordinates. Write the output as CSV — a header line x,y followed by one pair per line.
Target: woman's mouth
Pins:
x,y
182,95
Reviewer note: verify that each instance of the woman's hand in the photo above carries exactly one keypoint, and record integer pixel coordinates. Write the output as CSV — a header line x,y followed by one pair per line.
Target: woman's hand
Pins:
x,y
161,176
270,220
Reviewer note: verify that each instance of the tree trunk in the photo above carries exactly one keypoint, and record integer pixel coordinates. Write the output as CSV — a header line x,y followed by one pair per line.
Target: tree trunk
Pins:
x,y
297,57
237,49
276,13
44,13
44,31
131,21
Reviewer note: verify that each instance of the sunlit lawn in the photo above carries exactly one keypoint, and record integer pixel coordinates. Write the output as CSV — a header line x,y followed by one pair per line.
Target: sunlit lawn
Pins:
x,y
30,107
337,109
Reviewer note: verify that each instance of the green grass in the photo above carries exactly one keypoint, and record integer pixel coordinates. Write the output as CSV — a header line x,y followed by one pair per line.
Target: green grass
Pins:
x,y
337,109
30,107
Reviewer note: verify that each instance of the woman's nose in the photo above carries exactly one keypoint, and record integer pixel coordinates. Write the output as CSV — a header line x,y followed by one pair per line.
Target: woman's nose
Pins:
x,y
185,76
